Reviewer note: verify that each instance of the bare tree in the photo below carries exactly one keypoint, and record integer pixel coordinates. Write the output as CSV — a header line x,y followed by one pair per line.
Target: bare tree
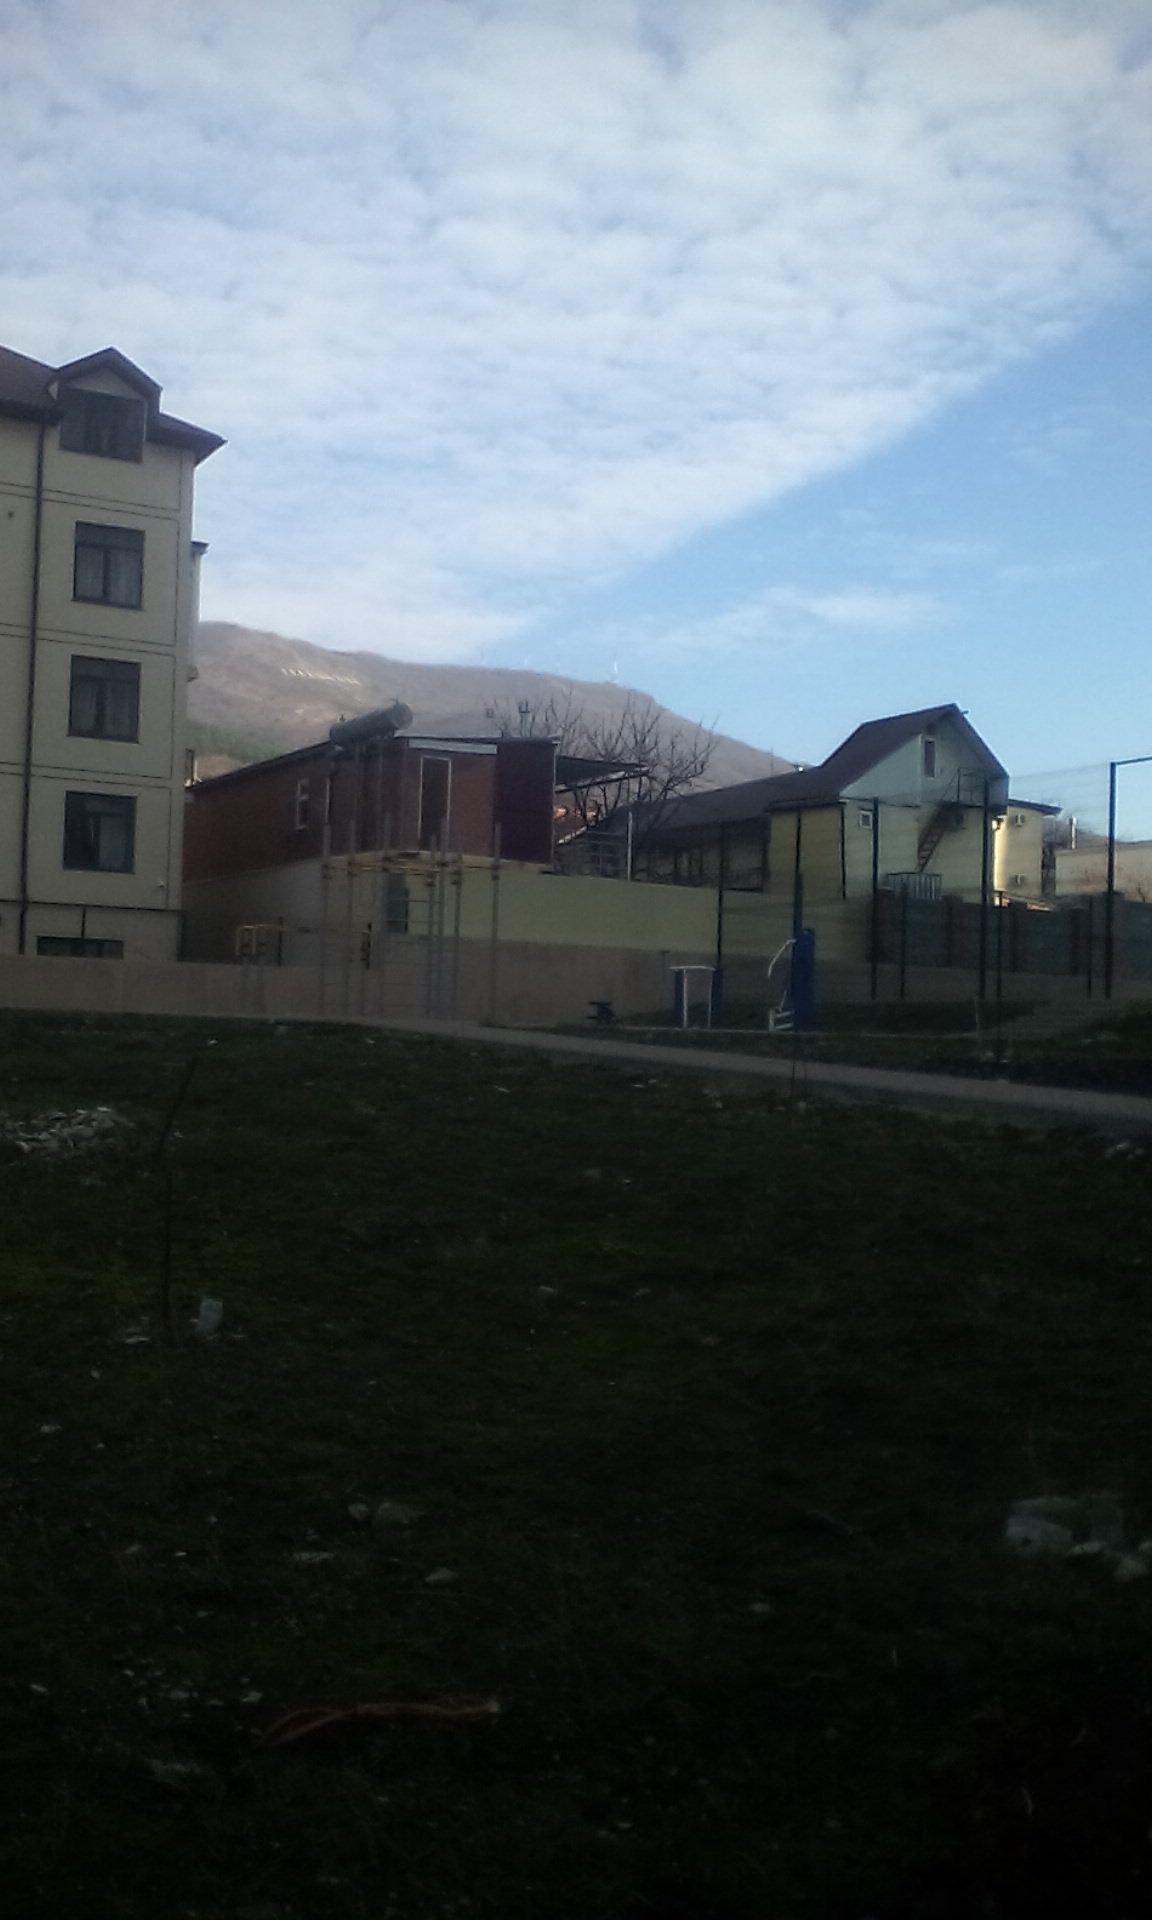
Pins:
x,y
650,760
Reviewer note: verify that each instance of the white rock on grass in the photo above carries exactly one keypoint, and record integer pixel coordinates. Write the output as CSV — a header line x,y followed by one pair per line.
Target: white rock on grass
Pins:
x,y
396,1513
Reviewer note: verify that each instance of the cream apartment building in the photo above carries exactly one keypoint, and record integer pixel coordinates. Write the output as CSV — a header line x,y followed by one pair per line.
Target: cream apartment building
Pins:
x,y
98,600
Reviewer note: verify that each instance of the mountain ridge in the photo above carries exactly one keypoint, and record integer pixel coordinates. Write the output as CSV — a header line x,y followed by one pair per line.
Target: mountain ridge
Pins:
x,y
259,693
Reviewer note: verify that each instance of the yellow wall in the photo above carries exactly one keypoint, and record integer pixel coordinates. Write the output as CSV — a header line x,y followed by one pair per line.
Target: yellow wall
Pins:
x,y
1018,848
531,906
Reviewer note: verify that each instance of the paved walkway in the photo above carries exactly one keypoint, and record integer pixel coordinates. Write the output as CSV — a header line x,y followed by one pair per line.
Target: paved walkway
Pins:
x,y
1013,1102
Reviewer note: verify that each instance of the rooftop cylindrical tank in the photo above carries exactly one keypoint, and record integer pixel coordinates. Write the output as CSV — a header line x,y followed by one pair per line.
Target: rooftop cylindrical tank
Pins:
x,y
371,726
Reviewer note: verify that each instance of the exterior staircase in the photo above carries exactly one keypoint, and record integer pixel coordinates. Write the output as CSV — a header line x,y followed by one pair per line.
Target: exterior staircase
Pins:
x,y
933,832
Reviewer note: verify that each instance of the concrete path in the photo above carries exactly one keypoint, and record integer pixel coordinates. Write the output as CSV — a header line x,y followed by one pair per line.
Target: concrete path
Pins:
x,y
1014,1103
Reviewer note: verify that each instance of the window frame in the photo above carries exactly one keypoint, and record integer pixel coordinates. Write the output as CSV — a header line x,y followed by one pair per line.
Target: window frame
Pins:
x,y
928,756
302,804
80,425
866,818
127,672
131,540
444,760
123,808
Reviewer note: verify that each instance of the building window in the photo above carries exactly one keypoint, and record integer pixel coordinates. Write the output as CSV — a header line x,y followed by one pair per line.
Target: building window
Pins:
x,y
104,703
396,903
109,565
100,832
929,758
865,818
101,423
53,947
300,805
435,785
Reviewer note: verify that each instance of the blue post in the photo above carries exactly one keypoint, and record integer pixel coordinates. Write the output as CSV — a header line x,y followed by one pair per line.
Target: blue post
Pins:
x,y
804,981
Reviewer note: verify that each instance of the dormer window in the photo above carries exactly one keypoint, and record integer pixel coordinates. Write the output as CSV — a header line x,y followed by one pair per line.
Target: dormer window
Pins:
x,y
105,424
929,757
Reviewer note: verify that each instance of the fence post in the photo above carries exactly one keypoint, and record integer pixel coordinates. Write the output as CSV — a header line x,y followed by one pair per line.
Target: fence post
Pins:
x,y
874,978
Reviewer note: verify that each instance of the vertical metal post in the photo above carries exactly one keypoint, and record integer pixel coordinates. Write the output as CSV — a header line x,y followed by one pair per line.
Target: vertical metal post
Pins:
x,y
985,851
798,875
1110,889
458,904
717,996
902,989
326,880
874,941
494,930
1002,913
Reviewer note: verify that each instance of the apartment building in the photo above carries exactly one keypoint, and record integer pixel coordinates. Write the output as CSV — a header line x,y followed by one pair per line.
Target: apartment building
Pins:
x,y
98,603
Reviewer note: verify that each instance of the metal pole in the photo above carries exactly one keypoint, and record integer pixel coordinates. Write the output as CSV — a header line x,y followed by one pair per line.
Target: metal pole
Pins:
x,y
1002,912
903,987
716,1001
458,881
797,876
1110,889
326,881
982,977
494,932
874,943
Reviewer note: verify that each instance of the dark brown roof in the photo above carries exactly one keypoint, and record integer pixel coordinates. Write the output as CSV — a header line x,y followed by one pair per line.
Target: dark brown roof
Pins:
x,y
816,786
27,392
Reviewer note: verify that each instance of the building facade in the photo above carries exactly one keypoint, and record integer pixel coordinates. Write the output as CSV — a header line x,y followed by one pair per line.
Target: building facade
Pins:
x,y
98,603
908,803
266,844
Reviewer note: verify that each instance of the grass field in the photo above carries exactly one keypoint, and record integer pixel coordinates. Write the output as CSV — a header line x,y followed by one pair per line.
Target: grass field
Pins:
x,y
712,1406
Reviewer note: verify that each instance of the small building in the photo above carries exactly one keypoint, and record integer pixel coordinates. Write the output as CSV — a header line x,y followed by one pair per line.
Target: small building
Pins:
x,y
1024,851
261,841
902,802
98,598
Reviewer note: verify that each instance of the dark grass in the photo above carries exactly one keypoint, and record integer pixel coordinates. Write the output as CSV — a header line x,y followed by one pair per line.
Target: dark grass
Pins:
x,y
1112,1053
726,1508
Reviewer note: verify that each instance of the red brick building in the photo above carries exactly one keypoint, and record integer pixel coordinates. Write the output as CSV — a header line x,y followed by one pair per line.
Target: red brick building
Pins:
x,y
375,791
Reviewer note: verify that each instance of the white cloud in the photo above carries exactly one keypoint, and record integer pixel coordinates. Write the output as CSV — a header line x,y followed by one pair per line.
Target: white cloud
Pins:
x,y
783,619
490,297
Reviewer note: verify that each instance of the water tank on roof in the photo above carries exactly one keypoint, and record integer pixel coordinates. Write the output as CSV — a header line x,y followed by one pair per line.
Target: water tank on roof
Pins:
x,y
371,726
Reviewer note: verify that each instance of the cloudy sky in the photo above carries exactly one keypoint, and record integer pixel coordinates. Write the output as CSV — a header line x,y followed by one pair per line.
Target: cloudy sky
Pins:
x,y
786,357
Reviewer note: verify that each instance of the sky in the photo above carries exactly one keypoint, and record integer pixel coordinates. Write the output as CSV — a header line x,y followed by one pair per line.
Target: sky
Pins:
x,y
787,358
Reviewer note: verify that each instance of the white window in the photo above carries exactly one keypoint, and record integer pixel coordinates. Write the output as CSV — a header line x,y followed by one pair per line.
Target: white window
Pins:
x,y
302,798
865,818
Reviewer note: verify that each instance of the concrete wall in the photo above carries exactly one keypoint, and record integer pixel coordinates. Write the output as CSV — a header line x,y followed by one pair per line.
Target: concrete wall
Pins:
x,y
529,986
152,496
530,906
1085,869
526,986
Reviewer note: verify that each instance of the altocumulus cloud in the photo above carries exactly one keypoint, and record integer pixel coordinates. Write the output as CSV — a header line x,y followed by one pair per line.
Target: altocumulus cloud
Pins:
x,y
493,295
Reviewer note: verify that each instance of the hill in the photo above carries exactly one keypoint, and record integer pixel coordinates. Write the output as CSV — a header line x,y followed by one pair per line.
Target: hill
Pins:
x,y
260,693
